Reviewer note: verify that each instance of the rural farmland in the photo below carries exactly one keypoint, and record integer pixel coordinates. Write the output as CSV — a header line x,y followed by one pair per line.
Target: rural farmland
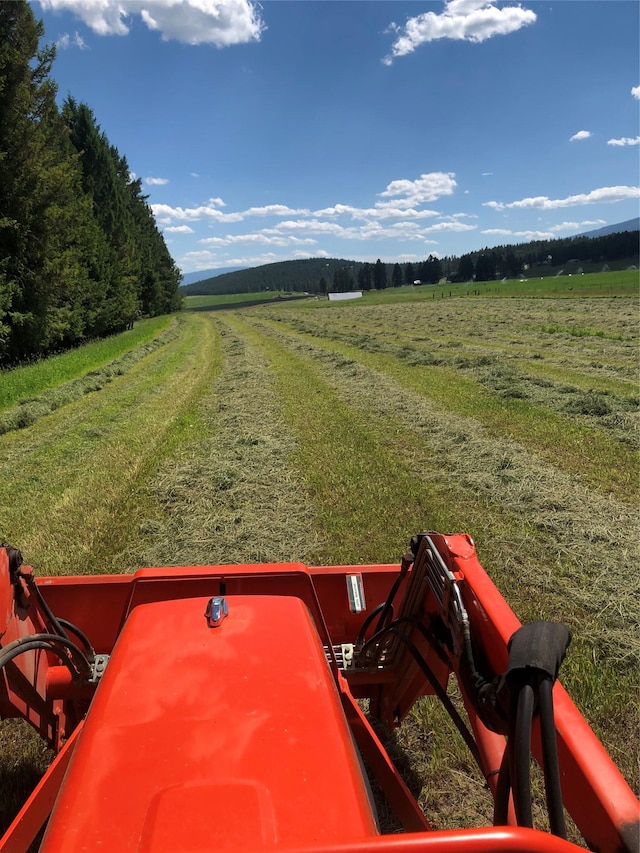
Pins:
x,y
331,434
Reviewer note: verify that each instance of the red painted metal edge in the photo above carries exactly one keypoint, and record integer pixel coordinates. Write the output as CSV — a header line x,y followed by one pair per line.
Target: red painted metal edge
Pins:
x,y
395,789
484,840
37,809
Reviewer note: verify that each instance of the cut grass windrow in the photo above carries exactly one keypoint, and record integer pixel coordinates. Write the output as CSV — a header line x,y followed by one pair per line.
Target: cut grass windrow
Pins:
x,y
232,495
28,411
564,439
71,493
19,383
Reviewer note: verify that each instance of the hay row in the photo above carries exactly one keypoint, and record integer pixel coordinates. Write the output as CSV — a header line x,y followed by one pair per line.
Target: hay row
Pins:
x,y
233,496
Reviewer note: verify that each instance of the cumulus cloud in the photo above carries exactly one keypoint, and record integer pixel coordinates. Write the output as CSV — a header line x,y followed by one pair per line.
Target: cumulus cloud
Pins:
x,y
581,134
267,239
603,195
165,214
465,20
179,229
626,140
636,92
426,188
156,182
218,22
66,41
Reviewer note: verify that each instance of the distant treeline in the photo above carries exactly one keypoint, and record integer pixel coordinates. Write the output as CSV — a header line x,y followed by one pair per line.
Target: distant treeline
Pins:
x,y
322,275
80,254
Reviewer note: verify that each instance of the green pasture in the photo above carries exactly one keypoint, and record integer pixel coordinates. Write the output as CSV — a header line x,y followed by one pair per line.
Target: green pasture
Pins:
x,y
235,300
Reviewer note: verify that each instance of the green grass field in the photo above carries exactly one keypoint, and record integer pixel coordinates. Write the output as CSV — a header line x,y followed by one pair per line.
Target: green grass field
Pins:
x,y
331,433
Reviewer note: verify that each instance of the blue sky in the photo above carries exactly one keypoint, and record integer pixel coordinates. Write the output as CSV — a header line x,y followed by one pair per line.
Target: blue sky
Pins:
x,y
361,130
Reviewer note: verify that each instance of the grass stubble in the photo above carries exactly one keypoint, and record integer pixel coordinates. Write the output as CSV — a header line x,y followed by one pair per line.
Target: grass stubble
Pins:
x,y
317,438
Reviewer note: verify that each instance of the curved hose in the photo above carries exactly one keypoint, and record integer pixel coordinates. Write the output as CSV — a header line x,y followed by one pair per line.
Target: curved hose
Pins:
x,y
67,651
69,626
551,769
520,750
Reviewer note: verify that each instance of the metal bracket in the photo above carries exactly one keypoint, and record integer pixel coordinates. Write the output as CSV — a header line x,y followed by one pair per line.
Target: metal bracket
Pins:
x,y
98,667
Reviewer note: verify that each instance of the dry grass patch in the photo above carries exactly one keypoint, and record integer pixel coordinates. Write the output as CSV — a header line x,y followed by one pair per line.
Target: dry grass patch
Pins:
x,y
233,496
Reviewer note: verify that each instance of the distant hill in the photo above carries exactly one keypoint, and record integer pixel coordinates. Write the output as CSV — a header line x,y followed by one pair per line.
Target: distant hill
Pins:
x,y
201,275
302,275
618,228
617,249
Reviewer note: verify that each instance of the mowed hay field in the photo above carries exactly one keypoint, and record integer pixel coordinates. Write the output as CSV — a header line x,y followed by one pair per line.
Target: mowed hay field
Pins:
x,y
330,433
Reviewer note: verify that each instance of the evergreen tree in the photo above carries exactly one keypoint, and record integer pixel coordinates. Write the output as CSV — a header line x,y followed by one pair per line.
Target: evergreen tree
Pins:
x,y
431,270
409,274
380,275
396,276
465,268
45,225
365,277
485,268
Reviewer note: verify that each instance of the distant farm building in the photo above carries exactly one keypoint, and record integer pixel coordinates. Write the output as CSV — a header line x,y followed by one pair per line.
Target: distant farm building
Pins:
x,y
351,294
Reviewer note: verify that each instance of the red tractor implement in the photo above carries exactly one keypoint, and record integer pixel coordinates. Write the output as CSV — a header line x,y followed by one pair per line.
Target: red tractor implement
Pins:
x,y
217,707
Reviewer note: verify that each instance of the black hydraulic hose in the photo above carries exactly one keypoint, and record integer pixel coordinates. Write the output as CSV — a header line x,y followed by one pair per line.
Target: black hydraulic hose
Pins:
x,y
69,626
441,694
33,586
503,790
62,646
521,755
30,645
551,768
59,625
370,617
387,609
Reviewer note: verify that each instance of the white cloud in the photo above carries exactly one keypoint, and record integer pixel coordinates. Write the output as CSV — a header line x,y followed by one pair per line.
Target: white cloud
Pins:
x,y
626,140
218,22
179,229
428,187
210,260
603,195
267,239
156,182
467,20
636,92
66,41
581,134
165,214
522,235
543,235
274,210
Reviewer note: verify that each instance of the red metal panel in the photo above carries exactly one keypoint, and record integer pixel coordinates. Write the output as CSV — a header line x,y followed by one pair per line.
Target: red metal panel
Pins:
x,y
36,810
207,738
484,840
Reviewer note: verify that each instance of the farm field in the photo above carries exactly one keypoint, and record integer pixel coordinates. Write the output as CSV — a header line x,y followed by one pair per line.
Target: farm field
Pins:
x,y
332,433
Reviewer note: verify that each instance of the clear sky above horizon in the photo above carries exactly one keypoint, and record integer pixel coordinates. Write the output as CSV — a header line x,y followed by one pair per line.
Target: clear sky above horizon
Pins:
x,y
361,130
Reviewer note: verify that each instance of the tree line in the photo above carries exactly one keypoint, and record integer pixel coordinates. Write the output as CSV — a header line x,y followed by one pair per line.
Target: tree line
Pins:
x,y
80,254
324,275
